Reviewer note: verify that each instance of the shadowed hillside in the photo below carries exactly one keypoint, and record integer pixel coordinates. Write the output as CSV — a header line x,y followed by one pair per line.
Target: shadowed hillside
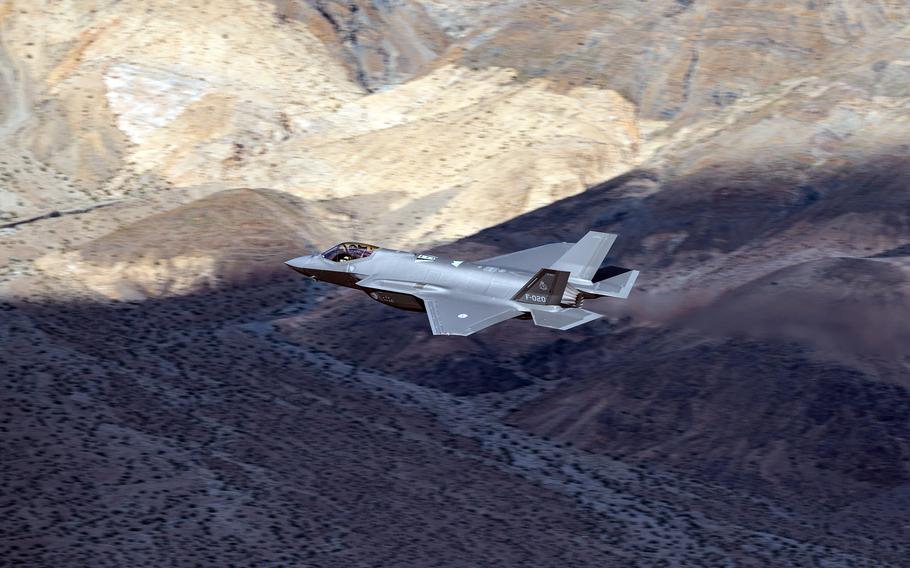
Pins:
x,y
166,432
762,348
173,395
228,238
185,430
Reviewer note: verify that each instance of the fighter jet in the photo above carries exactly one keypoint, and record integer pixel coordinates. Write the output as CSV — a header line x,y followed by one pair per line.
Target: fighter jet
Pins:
x,y
546,284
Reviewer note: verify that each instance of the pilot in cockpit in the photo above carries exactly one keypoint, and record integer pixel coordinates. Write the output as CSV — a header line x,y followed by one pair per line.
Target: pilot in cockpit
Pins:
x,y
345,252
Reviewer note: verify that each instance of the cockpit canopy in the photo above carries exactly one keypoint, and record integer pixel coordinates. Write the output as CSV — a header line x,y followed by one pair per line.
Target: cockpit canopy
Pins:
x,y
345,252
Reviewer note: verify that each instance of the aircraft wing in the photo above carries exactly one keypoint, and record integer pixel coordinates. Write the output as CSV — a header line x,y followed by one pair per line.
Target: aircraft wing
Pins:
x,y
529,260
447,315
450,316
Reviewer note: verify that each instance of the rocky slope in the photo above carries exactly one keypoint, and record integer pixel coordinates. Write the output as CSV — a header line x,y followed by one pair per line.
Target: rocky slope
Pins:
x,y
746,405
416,123
228,237
185,430
784,381
162,103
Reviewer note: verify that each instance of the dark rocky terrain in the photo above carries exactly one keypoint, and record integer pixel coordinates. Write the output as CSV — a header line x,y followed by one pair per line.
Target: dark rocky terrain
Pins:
x,y
755,419
188,431
169,433
277,421
170,394
765,349
746,406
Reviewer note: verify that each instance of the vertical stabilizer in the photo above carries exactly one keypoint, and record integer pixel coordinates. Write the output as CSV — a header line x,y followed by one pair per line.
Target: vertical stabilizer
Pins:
x,y
585,257
546,288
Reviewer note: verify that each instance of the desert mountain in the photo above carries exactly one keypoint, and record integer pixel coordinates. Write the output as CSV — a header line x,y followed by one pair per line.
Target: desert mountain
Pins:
x,y
162,103
766,335
416,123
171,392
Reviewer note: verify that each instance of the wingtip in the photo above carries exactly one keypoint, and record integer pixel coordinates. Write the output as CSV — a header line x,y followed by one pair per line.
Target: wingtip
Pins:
x,y
630,283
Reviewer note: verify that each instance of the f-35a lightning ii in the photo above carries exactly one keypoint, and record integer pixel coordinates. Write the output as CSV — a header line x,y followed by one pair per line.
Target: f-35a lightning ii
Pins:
x,y
547,283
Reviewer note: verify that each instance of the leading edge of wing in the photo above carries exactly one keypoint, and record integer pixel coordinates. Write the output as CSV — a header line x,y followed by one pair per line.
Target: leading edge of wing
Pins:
x,y
449,316
529,260
402,286
444,312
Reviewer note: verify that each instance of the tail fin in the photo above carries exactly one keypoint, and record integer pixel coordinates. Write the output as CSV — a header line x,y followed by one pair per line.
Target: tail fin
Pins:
x,y
545,288
585,256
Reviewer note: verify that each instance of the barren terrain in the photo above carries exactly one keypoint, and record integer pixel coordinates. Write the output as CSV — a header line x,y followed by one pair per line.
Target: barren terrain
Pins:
x,y
172,395
189,429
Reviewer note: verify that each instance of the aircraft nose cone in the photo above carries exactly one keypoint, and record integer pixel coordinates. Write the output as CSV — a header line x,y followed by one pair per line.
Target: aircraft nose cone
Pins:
x,y
302,264
299,262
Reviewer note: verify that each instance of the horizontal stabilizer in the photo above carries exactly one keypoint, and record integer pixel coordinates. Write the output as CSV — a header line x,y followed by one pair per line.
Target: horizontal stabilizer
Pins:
x,y
563,319
612,281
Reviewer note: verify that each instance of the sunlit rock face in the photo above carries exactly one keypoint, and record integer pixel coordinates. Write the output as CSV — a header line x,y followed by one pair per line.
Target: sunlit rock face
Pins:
x,y
381,43
232,237
413,123
145,99
683,59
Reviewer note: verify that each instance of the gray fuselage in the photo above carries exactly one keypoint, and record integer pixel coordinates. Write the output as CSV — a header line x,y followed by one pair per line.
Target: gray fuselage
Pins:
x,y
469,280
547,283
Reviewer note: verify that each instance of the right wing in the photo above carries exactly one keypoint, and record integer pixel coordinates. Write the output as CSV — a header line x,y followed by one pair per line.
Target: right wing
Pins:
x,y
529,260
449,316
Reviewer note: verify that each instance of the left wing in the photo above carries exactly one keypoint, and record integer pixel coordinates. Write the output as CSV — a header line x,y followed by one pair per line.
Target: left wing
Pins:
x,y
450,316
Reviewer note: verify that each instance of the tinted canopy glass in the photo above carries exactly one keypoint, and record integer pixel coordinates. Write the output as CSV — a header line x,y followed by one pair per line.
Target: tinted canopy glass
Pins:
x,y
345,252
